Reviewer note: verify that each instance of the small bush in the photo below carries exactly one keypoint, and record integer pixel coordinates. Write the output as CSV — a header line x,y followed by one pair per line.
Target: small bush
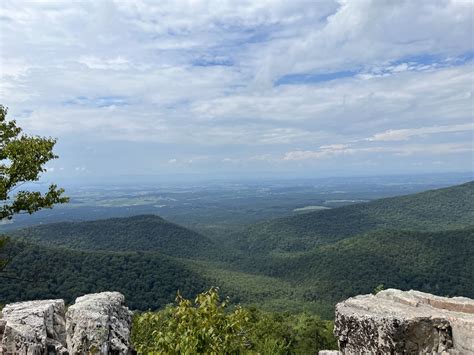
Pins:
x,y
207,325
202,326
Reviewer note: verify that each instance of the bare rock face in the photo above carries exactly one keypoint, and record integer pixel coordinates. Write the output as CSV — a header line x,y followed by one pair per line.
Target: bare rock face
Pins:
x,y
33,327
405,322
99,323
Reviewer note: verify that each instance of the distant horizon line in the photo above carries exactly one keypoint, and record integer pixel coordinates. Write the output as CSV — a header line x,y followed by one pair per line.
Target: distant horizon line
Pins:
x,y
228,177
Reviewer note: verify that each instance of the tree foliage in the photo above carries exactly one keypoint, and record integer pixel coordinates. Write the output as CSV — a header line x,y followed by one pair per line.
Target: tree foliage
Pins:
x,y
207,326
22,160
202,326
441,263
433,210
148,280
437,262
137,233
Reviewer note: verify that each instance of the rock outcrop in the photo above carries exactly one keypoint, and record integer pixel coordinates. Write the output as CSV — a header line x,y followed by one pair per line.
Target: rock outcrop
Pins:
x,y
405,322
391,322
34,327
96,324
99,323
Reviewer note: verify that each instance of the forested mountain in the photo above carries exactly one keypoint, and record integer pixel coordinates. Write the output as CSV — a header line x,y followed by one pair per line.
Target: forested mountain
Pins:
x,y
148,280
309,261
436,262
433,210
138,233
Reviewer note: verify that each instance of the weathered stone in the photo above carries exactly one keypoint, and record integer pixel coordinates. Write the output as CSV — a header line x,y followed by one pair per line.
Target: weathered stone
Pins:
x,y
413,322
99,323
33,327
329,352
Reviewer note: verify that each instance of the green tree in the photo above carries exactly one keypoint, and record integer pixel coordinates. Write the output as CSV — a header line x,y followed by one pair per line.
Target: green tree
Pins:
x,y
208,326
198,327
22,160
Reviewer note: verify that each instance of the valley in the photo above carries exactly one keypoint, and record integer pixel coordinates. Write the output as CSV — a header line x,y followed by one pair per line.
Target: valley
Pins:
x,y
275,260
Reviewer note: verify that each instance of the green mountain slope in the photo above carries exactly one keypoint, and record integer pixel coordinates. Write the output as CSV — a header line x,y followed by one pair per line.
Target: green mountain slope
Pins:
x,y
433,210
310,261
438,262
138,233
148,280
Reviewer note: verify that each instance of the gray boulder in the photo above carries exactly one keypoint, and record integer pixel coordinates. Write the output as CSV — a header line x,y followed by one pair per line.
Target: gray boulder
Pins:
x,y
99,323
405,322
33,327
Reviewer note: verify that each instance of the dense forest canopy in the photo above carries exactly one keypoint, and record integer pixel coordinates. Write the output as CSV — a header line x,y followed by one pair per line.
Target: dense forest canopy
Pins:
x,y
139,233
434,210
306,262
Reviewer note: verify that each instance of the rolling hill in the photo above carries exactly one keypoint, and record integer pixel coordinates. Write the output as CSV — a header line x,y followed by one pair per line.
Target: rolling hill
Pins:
x,y
435,262
138,233
434,210
148,280
308,261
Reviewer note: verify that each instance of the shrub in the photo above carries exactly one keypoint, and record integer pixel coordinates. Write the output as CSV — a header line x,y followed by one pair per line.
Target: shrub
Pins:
x,y
209,326
202,326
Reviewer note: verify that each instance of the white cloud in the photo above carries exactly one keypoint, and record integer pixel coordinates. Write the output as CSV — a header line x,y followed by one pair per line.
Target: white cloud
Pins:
x,y
334,147
362,33
117,63
405,134
205,74
400,150
324,152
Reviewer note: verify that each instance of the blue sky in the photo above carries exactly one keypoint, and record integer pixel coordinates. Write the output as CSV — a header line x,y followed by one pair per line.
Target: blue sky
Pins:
x,y
310,88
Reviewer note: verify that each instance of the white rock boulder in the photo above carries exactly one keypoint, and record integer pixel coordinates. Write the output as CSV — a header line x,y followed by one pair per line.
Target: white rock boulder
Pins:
x,y
405,322
99,323
33,327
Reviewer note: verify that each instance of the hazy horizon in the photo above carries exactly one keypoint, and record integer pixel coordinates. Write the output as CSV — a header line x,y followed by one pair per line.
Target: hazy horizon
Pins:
x,y
285,178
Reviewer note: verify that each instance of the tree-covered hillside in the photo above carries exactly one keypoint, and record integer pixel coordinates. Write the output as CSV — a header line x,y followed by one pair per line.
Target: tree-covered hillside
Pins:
x,y
433,210
138,233
308,262
148,280
437,262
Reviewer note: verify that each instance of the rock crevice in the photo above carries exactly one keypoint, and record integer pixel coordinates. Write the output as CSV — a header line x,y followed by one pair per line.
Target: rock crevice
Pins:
x,y
96,324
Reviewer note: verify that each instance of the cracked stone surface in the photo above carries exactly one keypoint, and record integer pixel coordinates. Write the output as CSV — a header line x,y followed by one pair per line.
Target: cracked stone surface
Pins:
x,y
401,322
99,323
33,327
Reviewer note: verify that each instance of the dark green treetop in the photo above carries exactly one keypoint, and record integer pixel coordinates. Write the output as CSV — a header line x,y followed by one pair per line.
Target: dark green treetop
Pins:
x,y
22,160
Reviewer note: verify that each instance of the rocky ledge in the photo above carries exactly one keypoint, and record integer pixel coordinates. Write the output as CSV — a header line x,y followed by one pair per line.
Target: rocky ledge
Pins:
x,y
391,322
97,323
405,322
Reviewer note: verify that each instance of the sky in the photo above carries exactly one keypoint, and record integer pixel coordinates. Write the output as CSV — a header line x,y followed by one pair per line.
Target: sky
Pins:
x,y
242,88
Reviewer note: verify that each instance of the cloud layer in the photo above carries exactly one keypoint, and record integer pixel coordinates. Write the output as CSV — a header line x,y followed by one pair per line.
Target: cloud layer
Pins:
x,y
211,85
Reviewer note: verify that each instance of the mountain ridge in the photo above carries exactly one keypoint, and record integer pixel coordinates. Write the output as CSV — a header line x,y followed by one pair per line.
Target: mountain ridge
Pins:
x,y
149,280
136,233
440,209
283,270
